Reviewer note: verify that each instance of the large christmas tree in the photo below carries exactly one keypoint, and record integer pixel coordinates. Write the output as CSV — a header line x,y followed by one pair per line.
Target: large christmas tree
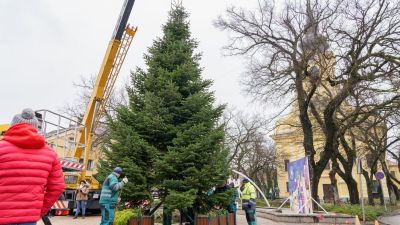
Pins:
x,y
168,136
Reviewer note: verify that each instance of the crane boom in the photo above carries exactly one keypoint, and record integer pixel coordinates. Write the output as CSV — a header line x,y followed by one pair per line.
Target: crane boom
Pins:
x,y
123,20
60,130
111,65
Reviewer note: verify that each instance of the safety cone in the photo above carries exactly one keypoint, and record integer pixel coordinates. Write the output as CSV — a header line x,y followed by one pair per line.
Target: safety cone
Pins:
x,y
357,222
376,222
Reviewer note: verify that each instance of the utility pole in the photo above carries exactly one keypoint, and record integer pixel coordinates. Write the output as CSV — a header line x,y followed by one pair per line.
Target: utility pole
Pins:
x,y
379,176
359,171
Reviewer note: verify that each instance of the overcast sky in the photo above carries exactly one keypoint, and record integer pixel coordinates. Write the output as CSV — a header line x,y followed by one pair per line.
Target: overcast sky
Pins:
x,y
46,45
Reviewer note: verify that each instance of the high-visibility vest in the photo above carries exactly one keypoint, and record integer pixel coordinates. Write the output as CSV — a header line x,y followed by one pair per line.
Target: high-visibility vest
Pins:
x,y
249,192
248,196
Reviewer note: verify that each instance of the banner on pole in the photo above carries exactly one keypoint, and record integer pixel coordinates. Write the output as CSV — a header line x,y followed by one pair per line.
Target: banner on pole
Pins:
x,y
299,186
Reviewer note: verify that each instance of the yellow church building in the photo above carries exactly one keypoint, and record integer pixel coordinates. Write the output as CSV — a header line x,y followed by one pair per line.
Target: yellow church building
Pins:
x,y
289,145
288,137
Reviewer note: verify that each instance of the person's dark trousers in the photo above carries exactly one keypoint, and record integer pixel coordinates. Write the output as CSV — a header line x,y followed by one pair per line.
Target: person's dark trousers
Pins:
x,y
107,214
167,218
189,217
251,216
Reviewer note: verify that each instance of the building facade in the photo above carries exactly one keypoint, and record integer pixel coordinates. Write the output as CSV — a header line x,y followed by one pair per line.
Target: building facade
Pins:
x,y
64,143
288,133
289,144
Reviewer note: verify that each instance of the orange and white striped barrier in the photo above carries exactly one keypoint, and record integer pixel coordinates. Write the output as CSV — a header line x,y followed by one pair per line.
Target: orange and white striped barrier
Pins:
x,y
71,165
60,208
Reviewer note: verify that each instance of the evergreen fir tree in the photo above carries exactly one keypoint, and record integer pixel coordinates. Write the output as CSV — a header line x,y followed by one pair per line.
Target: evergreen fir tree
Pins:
x,y
194,160
168,136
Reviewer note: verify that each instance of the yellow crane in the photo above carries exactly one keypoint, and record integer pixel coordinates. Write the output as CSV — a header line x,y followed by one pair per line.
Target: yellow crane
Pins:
x,y
112,62
3,129
114,57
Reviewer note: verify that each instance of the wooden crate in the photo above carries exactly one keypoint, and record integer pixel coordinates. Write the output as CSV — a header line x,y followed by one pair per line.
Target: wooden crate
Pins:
x,y
231,219
206,220
224,219
143,220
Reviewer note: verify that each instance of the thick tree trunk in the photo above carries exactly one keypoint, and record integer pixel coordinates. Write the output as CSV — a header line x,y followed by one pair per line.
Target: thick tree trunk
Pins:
x,y
332,177
381,197
396,192
352,187
269,184
331,148
303,101
369,188
370,194
314,191
392,188
353,190
391,191
351,184
389,179
347,164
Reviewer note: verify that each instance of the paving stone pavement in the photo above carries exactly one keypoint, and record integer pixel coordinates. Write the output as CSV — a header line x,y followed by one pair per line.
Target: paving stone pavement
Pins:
x,y
95,220
241,220
392,220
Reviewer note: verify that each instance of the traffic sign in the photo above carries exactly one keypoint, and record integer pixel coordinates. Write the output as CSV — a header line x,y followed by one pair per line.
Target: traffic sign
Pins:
x,y
379,175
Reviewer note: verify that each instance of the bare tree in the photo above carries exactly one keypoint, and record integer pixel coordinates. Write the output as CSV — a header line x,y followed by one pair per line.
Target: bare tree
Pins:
x,y
303,47
251,151
240,130
77,109
379,136
394,124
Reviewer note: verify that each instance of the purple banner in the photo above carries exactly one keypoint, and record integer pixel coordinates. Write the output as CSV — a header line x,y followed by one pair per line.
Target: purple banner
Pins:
x,y
299,186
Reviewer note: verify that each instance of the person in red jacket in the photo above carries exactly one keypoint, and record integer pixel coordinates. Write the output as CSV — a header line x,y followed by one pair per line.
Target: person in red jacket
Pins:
x,y
31,179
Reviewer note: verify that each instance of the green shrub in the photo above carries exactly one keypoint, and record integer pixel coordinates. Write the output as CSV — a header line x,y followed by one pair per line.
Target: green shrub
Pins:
x,y
261,203
215,212
122,217
273,203
371,212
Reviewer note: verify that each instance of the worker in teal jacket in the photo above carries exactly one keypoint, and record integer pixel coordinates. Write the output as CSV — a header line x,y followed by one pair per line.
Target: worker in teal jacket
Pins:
x,y
249,201
232,207
109,196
